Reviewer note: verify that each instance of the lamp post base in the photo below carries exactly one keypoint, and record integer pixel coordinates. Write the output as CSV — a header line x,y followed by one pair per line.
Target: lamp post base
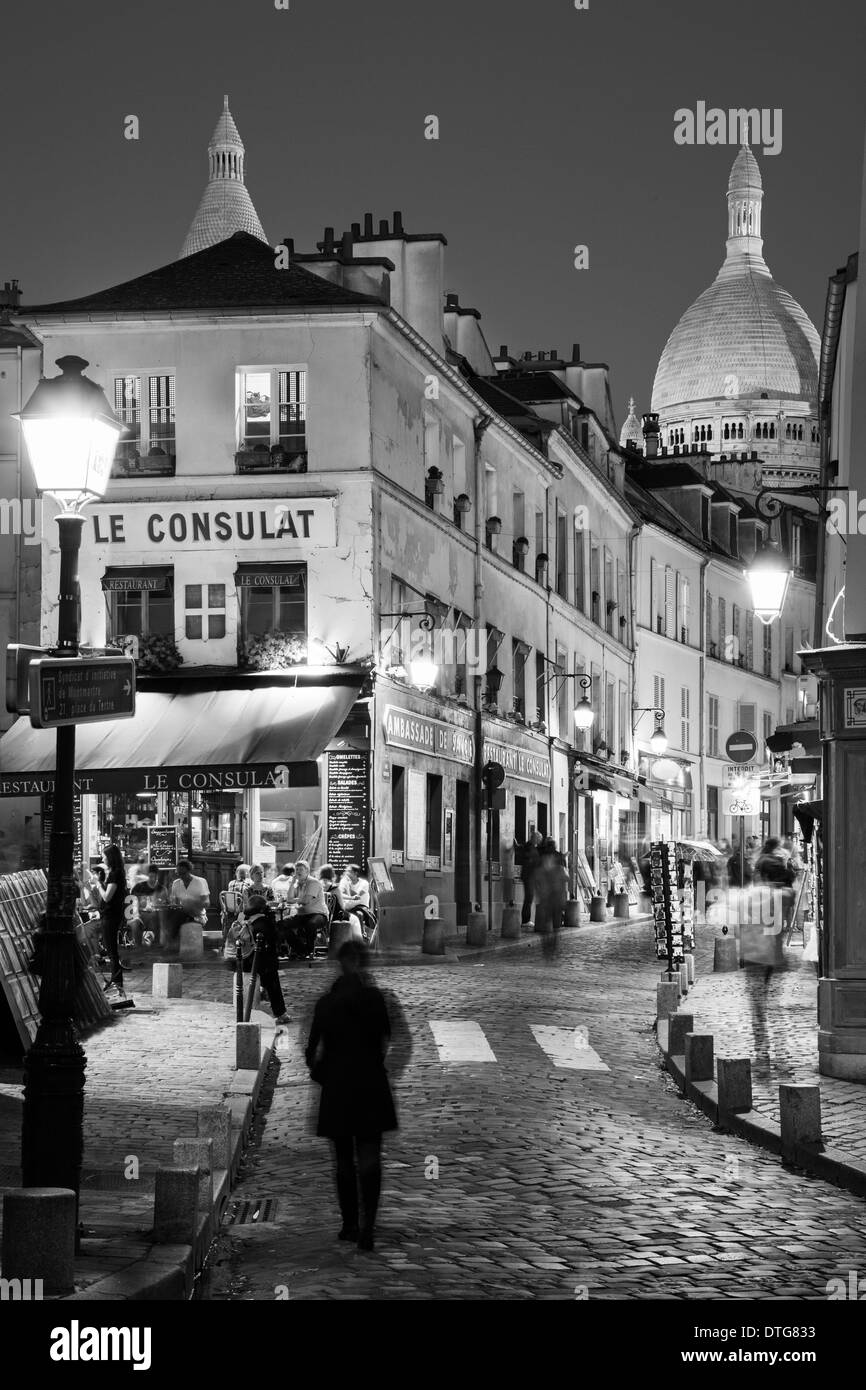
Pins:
x,y
52,1145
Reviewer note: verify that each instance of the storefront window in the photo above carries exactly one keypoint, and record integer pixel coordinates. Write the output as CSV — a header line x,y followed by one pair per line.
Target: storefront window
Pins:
x,y
138,612
273,616
216,823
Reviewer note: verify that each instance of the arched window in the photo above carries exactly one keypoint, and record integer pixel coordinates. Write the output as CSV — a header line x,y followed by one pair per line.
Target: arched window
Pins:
x,y
772,431
709,431
727,432
739,431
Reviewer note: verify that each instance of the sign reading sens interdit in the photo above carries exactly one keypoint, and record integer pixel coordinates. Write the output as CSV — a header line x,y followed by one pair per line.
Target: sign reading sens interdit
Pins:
x,y
403,729
264,522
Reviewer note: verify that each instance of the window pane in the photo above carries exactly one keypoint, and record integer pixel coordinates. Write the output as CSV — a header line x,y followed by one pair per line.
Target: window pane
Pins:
x,y
259,611
216,627
193,596
257,407
216,596
292,610
193,628
160,614
161,411
128,613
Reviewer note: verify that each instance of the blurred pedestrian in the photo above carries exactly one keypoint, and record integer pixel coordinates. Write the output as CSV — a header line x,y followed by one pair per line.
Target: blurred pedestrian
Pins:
x,y
260,921
551,894
530,861
189,899
346,1055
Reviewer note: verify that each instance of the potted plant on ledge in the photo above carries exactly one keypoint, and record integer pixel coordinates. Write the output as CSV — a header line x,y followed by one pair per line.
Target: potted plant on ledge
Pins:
x,y
272,651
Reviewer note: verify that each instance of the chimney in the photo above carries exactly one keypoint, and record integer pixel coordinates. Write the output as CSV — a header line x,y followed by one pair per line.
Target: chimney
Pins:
x,y
368,224
503,350
554,355
398,224
651,435
356,229
328,243
383,227
10,296
289,243
541,356
452,301
527,357
575,352
346,246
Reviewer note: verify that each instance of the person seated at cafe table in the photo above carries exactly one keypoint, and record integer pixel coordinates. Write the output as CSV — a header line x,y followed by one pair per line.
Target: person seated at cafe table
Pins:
x,y
354,889
282,884
189,900
255,886
308,909
148,927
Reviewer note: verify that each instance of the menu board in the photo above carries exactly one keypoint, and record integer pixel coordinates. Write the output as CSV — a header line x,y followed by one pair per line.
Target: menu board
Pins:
x,y
348,824
162,846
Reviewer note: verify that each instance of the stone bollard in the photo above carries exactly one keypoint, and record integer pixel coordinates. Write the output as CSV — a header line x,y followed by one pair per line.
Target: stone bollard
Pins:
x,y
800,1117
340,933
510,929
673,977
198,1153
621,906
667,999
690,967
433,937
573,912
726,955
476,930
191,941
39,1237
678,1026
699,1057
248,1046
597,909
214,1122
734,1076
167,980
175,1206
684,980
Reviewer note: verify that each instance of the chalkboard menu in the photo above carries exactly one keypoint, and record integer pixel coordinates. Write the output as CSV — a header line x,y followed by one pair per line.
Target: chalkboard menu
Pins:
x,y
348,809
162,846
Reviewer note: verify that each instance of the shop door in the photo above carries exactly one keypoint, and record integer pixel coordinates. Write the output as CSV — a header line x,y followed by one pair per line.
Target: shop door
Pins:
x,y
542,819
462,881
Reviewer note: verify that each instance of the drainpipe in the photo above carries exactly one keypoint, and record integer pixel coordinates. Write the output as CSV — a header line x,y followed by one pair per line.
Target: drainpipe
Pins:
x,y
19,486
479,428
702,731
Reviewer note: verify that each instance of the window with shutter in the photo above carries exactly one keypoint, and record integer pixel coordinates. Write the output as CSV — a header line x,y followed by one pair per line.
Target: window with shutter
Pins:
x,y
750,639
735,634
685,730
713,725
723,618
711,645
670,602
746,715
659,692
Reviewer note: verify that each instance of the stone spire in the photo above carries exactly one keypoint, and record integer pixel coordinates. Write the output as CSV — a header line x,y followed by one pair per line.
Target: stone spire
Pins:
x,y
631,432
226,206
745,195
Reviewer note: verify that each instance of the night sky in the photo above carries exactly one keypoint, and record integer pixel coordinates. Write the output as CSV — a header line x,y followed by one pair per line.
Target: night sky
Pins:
x,y
556,128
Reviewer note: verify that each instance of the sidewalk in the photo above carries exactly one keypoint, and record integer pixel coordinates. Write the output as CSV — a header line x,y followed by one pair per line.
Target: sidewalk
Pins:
x,y
149,1070
721,1006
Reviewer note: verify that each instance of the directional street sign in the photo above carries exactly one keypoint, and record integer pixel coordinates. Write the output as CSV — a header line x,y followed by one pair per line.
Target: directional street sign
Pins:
x,y
81,690
741,747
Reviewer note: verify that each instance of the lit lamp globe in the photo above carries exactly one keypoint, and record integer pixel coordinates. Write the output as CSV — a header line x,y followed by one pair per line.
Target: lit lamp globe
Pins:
x,y
768,577
71,435
659,740
423,672
584,714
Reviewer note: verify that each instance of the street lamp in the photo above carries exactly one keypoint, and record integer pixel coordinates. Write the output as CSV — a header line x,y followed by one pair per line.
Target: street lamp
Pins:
x,y
71,434
658,739
584,714
768,577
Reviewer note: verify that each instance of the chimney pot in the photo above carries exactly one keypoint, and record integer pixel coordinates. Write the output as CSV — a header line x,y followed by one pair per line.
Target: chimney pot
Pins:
x,y
553,354
329,240
503,350
356,229
289,243
398,224
346,246
527,357
383,226
368,224
575,352
451,301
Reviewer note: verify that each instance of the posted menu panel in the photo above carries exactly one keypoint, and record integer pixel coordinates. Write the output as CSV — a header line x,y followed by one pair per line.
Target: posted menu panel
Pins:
x,y
348,809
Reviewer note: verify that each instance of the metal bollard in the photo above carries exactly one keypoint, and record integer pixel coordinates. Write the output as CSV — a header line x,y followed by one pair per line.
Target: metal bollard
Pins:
x,y
239,983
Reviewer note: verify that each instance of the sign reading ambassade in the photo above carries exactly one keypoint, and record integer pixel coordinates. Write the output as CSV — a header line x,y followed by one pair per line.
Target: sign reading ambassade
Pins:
x,y
403,729
264,522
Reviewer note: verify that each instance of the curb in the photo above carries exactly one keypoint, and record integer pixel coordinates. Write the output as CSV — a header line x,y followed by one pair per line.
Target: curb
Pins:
x,y
168,1272
827,1163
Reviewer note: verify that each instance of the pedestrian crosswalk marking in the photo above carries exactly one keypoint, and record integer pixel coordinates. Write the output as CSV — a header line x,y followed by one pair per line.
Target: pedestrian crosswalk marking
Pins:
x,y
568,1047
461,1040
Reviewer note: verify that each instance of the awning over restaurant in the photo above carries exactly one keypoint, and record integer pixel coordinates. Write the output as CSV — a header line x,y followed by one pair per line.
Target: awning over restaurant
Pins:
x,y
267,727
141,578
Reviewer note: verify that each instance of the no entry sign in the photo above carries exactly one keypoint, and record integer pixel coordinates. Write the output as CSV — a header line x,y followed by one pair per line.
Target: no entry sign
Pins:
x,y
741,747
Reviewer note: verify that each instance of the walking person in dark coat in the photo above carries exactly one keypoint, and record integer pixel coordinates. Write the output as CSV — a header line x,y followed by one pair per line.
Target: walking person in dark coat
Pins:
x,y
346,1056
260,920
528,870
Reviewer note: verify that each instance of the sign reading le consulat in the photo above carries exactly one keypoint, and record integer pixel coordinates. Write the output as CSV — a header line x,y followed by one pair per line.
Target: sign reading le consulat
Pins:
x,y
211,525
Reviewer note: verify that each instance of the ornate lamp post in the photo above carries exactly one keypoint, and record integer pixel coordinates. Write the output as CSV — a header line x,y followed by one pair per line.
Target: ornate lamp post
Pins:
x,y
71,436
658,739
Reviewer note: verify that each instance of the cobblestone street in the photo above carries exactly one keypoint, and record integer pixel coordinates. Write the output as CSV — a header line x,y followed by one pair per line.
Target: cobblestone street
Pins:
x,y
532,1170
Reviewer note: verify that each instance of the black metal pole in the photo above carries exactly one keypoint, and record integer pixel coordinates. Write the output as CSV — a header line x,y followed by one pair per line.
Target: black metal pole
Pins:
x,y
52,1135
489,860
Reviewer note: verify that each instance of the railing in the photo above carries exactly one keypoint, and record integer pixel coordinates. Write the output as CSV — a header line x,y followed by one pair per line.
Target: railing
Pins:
x,y
157,462
278,459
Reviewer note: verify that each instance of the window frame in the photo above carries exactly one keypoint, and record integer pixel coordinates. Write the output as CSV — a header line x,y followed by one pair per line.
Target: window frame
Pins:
x,y
244,442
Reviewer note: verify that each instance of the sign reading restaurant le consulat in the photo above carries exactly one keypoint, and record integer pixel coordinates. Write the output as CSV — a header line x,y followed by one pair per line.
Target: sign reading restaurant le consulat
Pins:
x,y
263,522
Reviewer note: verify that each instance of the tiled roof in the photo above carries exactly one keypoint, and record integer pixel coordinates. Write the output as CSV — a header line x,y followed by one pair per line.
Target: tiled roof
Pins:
x,y
535,386
235,274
